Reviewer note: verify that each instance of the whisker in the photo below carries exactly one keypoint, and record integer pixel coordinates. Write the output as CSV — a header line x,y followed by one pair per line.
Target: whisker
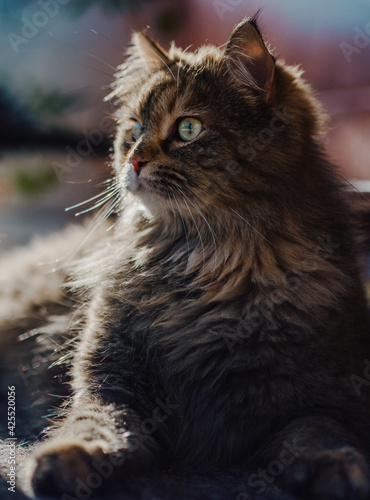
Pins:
x,y
183,223
179,64
99,218
103,213
352,186
101,60
206,54
112,188
77,49
79,62
164,62
172,207
112,208
98,204
195,224
87,87
203,217
238,215
252,227
108,39
89,67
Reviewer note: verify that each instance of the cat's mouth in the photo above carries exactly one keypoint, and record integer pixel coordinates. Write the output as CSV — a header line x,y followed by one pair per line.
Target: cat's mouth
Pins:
x,y
156,185
150,190
140,182
134,182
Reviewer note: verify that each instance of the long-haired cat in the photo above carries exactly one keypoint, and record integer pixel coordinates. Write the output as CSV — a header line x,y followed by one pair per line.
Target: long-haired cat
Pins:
x,y
224,322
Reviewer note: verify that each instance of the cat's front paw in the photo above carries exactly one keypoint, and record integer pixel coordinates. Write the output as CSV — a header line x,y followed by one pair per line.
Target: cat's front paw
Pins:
x,y
341,474
75,468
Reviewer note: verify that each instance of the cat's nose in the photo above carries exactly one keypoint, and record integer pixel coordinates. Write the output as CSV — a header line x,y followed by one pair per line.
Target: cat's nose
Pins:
x,y
138,162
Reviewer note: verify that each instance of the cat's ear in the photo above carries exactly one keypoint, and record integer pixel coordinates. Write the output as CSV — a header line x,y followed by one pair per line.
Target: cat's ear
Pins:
x,y
149,51
248,59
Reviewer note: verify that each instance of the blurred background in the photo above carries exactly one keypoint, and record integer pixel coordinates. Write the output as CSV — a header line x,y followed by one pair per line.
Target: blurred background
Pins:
x,y
58,58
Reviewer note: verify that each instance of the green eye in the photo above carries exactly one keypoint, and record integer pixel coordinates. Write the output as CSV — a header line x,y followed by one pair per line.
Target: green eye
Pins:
x,y
189,129
137,131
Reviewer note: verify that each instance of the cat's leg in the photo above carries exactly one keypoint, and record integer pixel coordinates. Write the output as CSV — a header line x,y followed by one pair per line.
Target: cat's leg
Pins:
x,y
97,445
317,459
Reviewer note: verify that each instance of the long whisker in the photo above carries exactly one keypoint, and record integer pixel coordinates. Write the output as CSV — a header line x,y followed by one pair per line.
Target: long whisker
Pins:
x,y
203,200
203,217
172,207
87,66
183,223
164,62
77,49
100,217
99,203
237,214
111,188
206,54
179,65
110,209
195,224
251,226
103,213
351,185
107,38
101,60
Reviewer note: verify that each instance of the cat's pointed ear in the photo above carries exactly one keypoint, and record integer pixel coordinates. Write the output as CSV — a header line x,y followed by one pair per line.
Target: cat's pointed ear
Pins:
x,y
248,59
149,51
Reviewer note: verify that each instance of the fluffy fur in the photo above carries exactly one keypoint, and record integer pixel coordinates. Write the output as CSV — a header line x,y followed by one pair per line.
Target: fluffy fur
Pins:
x,y
225,316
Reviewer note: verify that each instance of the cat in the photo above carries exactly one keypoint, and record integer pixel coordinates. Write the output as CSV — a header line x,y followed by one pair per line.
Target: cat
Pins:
x,y
224,322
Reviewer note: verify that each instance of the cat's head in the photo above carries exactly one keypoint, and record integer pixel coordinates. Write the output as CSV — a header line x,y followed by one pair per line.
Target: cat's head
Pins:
x,y
216,130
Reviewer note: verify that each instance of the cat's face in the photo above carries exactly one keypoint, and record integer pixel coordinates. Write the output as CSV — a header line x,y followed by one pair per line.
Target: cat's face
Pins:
x,y
178,144
199,129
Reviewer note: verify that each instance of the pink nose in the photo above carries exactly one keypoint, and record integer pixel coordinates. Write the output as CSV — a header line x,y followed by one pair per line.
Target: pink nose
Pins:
x,y
137,162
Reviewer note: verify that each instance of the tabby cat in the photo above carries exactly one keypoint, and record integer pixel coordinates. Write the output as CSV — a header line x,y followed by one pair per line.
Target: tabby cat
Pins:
x,y
224,321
